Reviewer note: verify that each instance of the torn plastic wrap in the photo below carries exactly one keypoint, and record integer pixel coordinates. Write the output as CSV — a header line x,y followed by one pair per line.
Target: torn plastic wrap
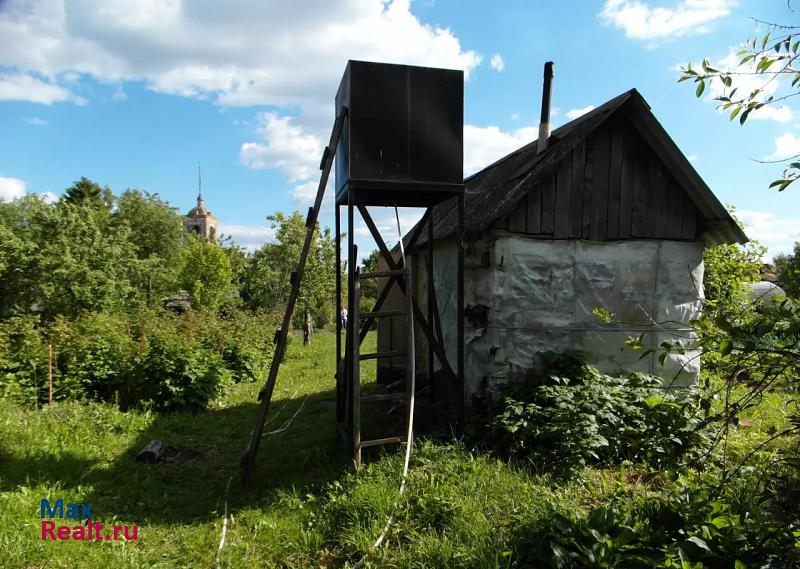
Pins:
x,y
536,295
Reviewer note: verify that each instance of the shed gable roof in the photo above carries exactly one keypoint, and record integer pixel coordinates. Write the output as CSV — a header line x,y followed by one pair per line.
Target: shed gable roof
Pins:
x,y
496,191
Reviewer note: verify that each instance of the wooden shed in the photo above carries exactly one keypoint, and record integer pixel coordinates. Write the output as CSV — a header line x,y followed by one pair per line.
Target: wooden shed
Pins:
x,y
610,215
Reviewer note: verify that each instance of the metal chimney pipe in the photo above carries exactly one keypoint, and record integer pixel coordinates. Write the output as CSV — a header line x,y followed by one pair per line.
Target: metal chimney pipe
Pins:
x,y
544,123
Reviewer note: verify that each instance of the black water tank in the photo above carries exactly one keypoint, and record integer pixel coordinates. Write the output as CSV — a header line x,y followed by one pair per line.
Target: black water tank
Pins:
x,y
403,140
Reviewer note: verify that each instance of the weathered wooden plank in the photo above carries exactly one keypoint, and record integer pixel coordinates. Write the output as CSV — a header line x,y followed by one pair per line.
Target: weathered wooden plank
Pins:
x,y
663,202
517,217
563,193
615,183
627,182
640,180
500,223
576,191
675,211
689,219
534,222
654,182
548,203
588,179
601,141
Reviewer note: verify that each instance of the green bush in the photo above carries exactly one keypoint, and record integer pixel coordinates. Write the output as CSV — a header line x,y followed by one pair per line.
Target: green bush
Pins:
x,y
151,357
174,372
93,355
689,528
242,339
570,415
23,360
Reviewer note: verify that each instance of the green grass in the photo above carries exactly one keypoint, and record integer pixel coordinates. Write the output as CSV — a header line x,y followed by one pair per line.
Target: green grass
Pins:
x,y
307,508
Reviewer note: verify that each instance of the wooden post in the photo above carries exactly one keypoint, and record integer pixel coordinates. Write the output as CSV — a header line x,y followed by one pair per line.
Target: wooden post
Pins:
x,y
308,328
355,379
461,245
431,304
50,371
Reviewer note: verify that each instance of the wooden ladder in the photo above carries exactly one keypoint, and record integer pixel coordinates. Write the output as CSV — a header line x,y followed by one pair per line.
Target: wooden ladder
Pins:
x,y
265,395
354,357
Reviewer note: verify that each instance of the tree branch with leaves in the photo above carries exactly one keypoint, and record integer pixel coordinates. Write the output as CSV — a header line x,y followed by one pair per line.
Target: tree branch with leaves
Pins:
x,y
773,59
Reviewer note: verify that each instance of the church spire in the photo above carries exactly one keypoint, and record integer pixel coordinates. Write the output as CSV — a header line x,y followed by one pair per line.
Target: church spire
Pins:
x,y
199,187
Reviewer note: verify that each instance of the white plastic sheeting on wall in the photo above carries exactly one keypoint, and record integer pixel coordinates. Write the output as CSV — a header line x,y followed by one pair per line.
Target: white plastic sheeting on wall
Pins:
x,y
540,295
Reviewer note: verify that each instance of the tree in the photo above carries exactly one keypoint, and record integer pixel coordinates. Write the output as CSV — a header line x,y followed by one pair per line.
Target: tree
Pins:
x,y
18,245
726,268
266,282
369,287
788,266
155,231
204,270
155,228
767,73
64,258
82,263
85,191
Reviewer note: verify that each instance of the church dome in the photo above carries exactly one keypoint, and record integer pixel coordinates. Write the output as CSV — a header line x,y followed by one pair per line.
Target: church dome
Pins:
x,y
199,210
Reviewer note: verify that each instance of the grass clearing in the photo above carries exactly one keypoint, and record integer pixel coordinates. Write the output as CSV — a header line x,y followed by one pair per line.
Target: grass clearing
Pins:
x,y
308,507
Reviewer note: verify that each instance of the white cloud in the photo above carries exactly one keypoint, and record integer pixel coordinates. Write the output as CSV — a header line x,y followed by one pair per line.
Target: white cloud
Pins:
x,y
642,21
497,62
11,188
775,232
36,121
692,158
575,113
48,197
286,146
771,113
119,95
386,222
515,116
251,237
304,195
786,146
251,53
24,87
484,145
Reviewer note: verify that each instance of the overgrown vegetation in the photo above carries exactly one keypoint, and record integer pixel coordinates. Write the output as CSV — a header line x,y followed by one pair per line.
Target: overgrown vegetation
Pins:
x,y
568,416
463,508
577,468
82,289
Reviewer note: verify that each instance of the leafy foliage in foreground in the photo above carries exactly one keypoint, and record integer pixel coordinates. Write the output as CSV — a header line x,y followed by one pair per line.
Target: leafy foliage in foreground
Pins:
x,y
766,74
788,266
688,528
570,415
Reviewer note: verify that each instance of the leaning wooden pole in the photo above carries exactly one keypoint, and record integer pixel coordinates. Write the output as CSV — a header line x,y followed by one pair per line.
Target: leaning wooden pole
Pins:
x,y
50,372
265,395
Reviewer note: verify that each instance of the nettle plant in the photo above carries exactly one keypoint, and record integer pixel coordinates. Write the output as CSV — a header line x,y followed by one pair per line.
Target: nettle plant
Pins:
x,y
569,415
767,73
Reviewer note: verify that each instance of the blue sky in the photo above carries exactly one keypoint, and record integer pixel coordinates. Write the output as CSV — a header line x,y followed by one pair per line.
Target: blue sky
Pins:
x,y
137,93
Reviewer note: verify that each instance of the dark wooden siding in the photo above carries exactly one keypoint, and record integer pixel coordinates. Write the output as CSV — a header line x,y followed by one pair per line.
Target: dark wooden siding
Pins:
x,y
612,186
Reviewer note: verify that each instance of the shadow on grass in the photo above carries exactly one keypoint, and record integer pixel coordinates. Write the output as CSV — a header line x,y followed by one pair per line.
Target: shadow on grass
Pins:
x,y
302,453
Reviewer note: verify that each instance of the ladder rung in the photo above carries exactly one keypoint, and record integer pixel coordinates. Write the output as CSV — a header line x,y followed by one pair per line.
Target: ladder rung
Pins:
x,y
379,442
377,355
383,397
382,314
381,274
